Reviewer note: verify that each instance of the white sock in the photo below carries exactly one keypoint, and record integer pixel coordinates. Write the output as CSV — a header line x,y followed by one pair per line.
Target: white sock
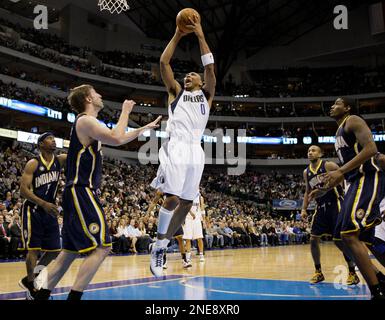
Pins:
x,y
164,220
162,243
188,255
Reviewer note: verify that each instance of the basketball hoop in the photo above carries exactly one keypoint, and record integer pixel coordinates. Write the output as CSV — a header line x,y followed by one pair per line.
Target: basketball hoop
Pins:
x,y
113,5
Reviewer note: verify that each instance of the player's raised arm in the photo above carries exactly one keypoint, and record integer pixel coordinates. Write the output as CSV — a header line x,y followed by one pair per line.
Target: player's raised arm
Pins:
x,y
26,185
173,87
207,61
90,126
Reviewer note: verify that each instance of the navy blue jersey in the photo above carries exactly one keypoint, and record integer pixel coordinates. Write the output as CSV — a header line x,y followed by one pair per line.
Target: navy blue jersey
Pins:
x,y
84,163
314,182
45,179
347,147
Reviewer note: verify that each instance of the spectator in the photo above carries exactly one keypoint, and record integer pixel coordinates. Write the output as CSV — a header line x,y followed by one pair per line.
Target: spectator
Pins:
x,y
15,235
4,238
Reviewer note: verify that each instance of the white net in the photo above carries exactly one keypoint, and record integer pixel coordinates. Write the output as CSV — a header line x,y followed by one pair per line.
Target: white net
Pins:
x,y
113,5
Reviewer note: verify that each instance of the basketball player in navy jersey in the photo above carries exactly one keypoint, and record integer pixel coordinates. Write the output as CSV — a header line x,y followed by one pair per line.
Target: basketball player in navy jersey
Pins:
x,y
84,227
40,229
326,213
182,157
360,211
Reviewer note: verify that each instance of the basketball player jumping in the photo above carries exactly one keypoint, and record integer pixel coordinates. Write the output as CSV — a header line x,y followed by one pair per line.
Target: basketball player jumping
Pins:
x,y
182,158
360,211
84,227
326,213
40,229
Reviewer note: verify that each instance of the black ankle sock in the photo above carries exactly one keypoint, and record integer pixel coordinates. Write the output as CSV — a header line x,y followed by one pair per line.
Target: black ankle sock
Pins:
x,y
380,276
352,269
43,294
75,295
375,290
184,256
318,267
30,285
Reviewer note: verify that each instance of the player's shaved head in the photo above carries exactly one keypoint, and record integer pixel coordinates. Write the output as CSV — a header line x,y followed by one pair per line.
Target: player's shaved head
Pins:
x,y
316,147
314,153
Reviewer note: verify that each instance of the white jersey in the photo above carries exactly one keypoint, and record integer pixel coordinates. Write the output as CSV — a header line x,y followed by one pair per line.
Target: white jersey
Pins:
x,y
188,115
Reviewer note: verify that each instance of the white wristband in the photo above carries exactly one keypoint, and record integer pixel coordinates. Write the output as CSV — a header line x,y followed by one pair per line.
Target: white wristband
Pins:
x,y
207,59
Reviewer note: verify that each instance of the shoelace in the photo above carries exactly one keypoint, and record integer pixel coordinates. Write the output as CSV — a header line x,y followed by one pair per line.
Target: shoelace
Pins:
x,y
159,258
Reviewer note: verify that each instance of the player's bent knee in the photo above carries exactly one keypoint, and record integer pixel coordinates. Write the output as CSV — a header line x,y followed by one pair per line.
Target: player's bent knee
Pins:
x,y
171,202
185,203
105,250
314,239
349,238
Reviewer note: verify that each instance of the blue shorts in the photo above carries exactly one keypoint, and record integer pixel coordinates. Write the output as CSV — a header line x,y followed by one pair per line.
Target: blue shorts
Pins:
x,y
40,230
324,219
360,210
84,223
379,246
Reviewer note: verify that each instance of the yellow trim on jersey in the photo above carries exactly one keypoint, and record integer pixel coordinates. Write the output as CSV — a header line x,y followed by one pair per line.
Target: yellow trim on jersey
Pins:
x,y
374,196
53,250
354,207
343,122
100,215
374,165
338,199
29,227
81,151
93,164
320,236
70,251
22,224
81,217
316,170
49,165
87,249
312,218
356,148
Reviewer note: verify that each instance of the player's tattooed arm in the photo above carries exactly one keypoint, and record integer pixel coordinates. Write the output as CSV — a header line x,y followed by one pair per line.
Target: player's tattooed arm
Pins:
x,y
26,186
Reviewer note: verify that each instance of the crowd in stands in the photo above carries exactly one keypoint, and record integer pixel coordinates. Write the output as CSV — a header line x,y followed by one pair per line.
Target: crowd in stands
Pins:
x,y
125,195
309,82
285,82
52,48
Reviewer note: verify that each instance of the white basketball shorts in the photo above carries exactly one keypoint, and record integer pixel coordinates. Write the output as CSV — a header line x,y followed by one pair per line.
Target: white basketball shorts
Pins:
x,y
180,169
192,229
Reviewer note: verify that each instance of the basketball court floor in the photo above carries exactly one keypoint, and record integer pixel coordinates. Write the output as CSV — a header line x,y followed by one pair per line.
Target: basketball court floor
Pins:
x,y
268,273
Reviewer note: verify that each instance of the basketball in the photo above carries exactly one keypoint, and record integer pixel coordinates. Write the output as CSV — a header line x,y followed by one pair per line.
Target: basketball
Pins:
x,y
183,18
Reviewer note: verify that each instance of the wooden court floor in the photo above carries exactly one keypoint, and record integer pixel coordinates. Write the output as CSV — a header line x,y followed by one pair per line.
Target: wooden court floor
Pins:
x,y
278,263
